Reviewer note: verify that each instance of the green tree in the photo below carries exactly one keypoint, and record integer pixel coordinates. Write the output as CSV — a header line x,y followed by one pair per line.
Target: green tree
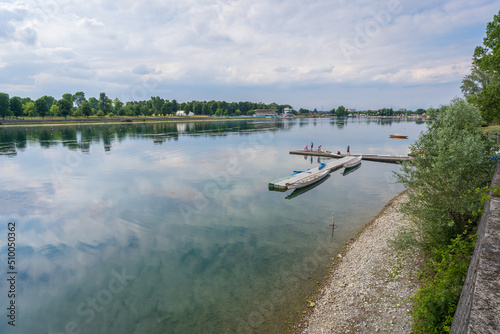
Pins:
x,y
157,104
105,104
79,99
117,106
341,112
482,86
42,108
86,109
16,106
29,109
64,107
452,159
167,108
431,113
68,97
49,99
4,105
94,103
55,111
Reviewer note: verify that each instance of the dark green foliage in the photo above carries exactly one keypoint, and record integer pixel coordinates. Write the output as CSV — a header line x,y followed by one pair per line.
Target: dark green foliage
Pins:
x,y
94,103
341,112
86,109
4,105
68,97
435,303
64,107
16,106
482,86
452,158
42,108
453,165
50,100
79,99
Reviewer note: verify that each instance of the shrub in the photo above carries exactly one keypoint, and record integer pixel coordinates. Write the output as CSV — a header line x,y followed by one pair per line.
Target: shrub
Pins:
x,y
452,158
435,303
100,113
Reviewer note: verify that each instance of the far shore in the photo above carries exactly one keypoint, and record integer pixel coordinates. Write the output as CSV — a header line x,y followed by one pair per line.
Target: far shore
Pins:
x,y
94,121
52,121
368,288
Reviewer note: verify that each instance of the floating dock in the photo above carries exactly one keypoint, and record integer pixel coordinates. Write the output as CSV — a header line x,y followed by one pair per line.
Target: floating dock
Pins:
x,y
372,157
282,184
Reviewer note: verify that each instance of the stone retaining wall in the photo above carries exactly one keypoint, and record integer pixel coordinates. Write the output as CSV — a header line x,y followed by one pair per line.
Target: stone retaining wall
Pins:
x,y
478,310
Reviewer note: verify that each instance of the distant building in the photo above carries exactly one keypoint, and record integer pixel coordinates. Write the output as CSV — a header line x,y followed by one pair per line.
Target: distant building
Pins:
x,y
402,109
180,113
287,110
265,112
351,110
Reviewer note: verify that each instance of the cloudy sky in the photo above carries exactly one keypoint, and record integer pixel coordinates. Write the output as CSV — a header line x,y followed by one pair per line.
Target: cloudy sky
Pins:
x,y
315,54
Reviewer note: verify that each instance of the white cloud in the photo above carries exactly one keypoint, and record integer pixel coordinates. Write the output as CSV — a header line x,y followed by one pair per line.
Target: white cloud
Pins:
x,y
190,47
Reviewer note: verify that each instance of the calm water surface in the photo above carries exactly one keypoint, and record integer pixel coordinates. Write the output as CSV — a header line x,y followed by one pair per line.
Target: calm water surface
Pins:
x,y
170,228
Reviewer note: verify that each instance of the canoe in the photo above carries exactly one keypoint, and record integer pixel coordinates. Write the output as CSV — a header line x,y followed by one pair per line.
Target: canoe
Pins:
x,y
303,190
353,162
397,135
348,171
313,178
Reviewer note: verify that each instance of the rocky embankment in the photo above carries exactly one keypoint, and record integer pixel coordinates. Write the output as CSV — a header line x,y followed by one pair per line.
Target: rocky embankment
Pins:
x,y
369,287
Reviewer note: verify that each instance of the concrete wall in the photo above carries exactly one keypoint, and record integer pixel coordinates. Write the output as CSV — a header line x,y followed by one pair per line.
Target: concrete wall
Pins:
x,y
478,310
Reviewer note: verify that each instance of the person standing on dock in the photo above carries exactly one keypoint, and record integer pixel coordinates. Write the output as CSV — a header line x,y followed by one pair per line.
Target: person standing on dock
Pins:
x,y
312,145
348,150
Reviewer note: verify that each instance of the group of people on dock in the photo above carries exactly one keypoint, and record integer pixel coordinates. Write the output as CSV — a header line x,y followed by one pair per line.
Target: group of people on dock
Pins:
x,y
306,148
312,148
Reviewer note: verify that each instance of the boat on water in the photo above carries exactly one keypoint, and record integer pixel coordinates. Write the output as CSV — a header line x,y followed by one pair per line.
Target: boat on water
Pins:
x,y
348,171
299,191
399,136
306,181
353,162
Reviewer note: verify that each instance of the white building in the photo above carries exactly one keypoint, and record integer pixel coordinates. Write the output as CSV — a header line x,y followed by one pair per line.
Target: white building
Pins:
x,y
180,113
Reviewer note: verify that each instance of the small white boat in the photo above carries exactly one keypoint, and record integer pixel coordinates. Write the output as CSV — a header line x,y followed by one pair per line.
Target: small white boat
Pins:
x,y
353,162
313,178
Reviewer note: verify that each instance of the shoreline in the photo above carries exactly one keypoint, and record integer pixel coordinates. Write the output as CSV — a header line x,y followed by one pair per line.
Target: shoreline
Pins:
x,y
367,288
60,122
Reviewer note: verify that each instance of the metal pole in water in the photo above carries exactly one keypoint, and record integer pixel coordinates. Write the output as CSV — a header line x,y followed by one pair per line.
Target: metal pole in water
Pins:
x,y
333,224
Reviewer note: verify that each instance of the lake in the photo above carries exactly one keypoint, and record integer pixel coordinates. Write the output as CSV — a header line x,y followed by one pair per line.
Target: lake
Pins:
x,y
171,228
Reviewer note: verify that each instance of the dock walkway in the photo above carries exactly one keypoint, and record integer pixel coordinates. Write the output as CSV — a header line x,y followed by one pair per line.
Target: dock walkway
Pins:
x,y
371,157
282,183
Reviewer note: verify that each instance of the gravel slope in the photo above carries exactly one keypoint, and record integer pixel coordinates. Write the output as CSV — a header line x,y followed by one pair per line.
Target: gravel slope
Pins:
x,y
367,291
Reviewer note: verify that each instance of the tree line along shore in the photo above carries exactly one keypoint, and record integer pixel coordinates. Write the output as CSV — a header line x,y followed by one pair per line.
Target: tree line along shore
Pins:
x,y
77,106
